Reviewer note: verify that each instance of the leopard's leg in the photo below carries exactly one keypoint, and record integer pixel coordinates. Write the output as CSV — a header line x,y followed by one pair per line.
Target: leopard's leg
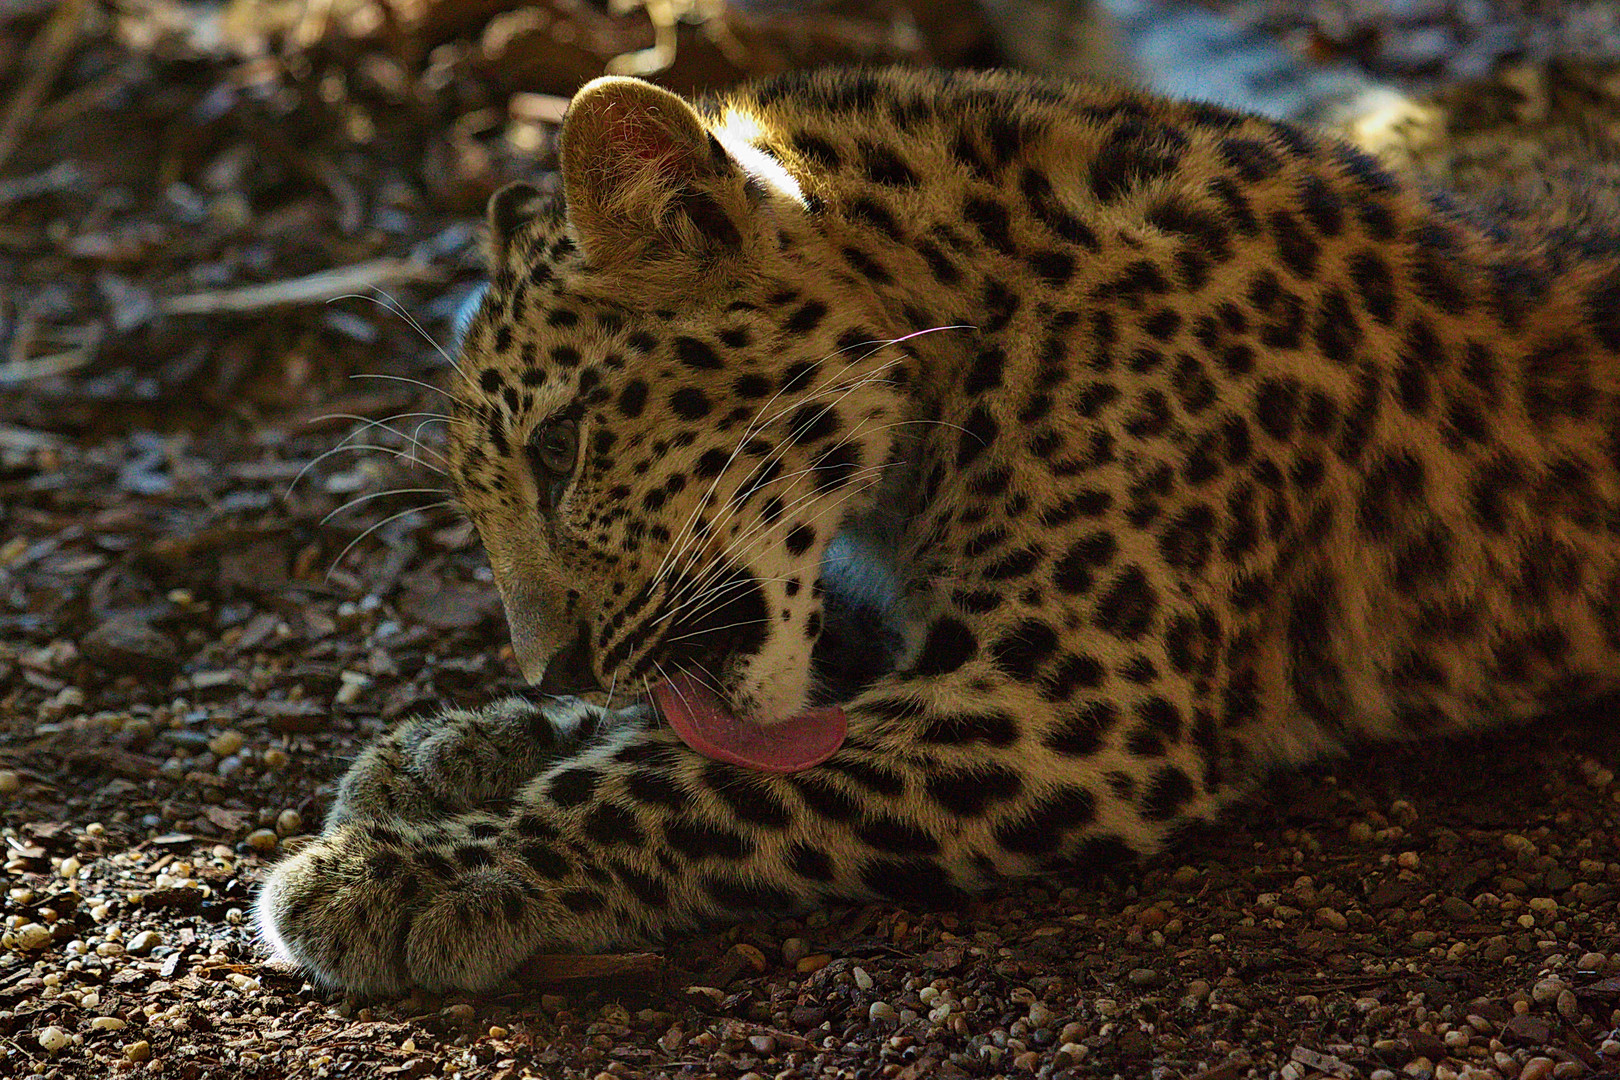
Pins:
x,y
992,754
431,767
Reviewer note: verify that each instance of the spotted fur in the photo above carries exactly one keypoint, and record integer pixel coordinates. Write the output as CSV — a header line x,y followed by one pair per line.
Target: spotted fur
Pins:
x,y
1193,442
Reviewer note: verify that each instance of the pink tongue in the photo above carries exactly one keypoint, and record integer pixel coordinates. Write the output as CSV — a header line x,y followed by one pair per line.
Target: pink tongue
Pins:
x,y
704,724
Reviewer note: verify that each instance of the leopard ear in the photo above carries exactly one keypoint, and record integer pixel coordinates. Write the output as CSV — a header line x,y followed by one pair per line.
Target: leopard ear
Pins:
x,y
509,208
645,182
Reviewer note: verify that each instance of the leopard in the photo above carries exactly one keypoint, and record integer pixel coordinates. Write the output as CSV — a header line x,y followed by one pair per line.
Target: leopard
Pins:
x,y
1154,445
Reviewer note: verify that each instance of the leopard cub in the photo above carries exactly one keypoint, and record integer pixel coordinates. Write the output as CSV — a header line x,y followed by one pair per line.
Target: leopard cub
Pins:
x,y
1172,443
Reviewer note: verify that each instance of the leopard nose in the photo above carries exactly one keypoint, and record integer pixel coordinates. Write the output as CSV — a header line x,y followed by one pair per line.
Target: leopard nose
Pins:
x,y
570,671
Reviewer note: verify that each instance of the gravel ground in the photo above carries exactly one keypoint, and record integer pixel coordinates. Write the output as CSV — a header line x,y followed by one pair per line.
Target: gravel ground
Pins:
x,y
190,649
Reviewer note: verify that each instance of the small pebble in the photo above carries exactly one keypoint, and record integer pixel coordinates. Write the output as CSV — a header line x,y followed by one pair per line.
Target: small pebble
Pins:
x,y
31,936
1547,990
793,950
143,942
139,1050
498,1032
275,758
862,979
10,782
809,965
264,840
226,743
881,1010
762,1044
1592,961
1331,919
108,1023
52,1039
289,823
460,1010
1039,1015
1540,1068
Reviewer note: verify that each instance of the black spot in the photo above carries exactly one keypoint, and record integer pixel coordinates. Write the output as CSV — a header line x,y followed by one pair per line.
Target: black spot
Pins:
x,y
1039,831
1015,564
649,890
816,149
611,824
472,856
698,839
798,376
689,403
883,166
711,464
810,863
1298,250
1087,502
895,836
1079,732
1321,205
1159,727
804,320
658,789
573,786
985,372
1393,483
967,792
1168,791
812,423
1187,541
954,729
1134,154
992,221
1072,672
1253,160
1337,331
825,797
1130,605
800,539
580,901
978,432
866,265
1055,268
750,386
698,355
1023,648
746,796
949,645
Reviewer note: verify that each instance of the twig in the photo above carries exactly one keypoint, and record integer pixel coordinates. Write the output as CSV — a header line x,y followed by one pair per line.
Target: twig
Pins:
x,y
45,58
313,289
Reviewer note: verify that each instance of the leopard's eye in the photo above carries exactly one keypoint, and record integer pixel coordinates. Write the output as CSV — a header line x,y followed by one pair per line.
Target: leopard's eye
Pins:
x,y
553,448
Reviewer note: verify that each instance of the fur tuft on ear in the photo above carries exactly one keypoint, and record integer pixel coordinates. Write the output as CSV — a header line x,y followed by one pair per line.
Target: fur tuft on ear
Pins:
x,y
508,209
647,187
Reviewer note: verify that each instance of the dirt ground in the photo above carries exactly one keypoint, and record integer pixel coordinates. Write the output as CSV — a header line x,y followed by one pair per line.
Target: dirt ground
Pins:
x,y
230,237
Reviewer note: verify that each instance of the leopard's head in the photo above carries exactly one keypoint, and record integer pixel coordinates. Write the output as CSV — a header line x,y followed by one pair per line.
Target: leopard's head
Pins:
x,y
667,407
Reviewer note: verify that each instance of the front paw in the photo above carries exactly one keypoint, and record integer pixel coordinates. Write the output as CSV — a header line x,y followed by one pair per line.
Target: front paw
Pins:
x,y
378,910
433,767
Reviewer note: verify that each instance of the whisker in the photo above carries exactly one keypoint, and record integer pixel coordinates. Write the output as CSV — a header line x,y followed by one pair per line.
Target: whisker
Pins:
x,y
392,517
356,501
463,402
